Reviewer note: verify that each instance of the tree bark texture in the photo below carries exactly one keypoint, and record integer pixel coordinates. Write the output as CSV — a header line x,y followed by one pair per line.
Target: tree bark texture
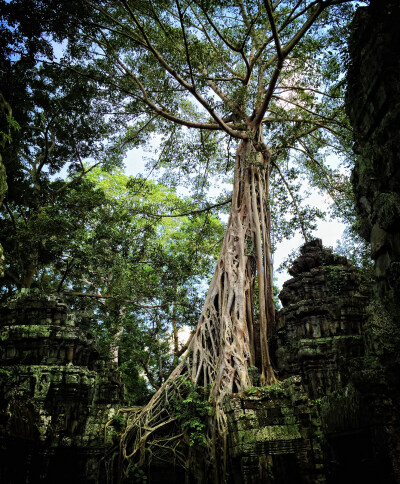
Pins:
x,y
224,344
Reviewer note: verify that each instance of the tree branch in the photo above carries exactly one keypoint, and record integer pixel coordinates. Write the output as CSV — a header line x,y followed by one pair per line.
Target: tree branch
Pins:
x,y
307,24
185,42
293,200
273,28
162,112
300,120
299,88
84,173
215,48
313,113
189,87
186,345
258,114
185,214
102,296
13,277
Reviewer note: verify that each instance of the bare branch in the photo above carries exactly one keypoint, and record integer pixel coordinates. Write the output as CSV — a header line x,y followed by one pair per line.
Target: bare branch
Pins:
x,y
215,48
185,214
273,28
185,42
166,114
259,113
307,24
299,88
189,87
332,119
295,204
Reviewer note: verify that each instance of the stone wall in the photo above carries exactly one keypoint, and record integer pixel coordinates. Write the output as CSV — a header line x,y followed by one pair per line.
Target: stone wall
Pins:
x,y
56,394
274,436
327,333
373,105
320,326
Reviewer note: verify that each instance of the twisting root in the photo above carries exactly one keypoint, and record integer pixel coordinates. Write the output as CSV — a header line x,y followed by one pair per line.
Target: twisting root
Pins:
x,y
224,345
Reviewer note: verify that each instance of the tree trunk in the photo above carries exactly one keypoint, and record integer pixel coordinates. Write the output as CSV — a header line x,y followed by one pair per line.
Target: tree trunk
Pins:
x,y
175,334
223,346
29,273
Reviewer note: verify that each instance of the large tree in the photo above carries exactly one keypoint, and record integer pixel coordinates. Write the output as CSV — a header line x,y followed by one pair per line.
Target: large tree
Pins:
x,y
262,78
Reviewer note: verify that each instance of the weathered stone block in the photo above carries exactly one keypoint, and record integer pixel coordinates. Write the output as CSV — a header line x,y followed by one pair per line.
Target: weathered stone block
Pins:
x,y
49,406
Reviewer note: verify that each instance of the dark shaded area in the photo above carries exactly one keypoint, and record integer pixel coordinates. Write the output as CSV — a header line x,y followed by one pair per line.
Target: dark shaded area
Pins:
x,y
373,105
56,394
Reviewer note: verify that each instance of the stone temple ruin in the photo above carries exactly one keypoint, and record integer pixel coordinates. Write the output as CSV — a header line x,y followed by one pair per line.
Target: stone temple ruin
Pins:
x,y
56,393
330,419
334,416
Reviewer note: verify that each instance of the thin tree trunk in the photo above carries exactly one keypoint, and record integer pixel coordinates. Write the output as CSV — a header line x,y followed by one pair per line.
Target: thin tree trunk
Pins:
x,y
116,339
29,272
175,334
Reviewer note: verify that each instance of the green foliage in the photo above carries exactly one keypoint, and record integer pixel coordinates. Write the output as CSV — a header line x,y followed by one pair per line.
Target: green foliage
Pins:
x,y
167,263
115,427
5,374
156,44
6,136
387,206
357,250
105,236
191,407
381,332
118,422
336,280
271,391
135,475
254,374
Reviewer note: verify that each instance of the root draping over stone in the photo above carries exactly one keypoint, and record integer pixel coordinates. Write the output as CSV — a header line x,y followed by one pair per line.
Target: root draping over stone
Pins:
x,y
225,343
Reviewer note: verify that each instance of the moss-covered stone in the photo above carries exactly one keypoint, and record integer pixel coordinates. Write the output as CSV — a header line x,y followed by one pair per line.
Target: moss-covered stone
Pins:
x,y
277,420
387,207
56,395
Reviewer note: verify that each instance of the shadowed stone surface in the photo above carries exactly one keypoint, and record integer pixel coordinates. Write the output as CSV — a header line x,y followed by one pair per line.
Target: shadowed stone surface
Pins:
x,y
373,106
320,326
274,435
56,394
329,332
